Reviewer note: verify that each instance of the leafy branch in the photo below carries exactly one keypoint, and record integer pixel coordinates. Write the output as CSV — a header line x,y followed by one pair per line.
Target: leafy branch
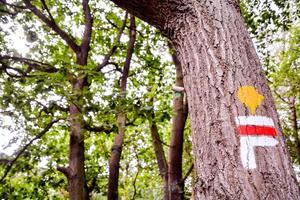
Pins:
x,y
32,64
20,152
114,48
53,25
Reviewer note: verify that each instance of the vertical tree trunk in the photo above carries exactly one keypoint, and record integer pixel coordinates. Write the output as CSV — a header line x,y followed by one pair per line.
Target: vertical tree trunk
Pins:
x,y
237,140
294,119
116,151
160,157
114,161
176,184
172,174
76,173
219,58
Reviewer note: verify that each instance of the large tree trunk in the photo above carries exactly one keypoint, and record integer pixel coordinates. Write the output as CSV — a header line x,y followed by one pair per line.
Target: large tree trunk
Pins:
x,y
176,184
224,81
116,151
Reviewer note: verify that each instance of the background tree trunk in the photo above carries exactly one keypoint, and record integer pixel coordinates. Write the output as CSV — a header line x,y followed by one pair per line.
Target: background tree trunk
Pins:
x,y
172,173
116,151
176,184
160,157
294,120
218,58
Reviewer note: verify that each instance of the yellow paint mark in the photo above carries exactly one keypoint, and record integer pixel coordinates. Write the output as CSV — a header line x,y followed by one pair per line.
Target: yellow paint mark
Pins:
x,y
250,97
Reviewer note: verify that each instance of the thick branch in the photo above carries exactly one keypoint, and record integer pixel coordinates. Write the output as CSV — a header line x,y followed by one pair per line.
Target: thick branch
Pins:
x,y
86,39
51,24
64,170
130,49
43,132
154,12
98,129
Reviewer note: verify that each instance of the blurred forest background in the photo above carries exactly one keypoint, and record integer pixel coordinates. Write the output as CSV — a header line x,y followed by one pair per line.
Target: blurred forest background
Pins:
x,y
127,76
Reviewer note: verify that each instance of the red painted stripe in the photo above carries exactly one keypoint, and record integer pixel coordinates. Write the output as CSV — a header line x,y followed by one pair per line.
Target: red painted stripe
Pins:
x,y
256,130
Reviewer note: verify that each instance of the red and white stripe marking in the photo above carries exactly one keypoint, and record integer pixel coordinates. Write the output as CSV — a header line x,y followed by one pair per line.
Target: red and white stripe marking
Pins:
x,y
254,131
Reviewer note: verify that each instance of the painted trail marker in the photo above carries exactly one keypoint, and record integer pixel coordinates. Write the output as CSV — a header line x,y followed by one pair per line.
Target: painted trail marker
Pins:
x,y
254,130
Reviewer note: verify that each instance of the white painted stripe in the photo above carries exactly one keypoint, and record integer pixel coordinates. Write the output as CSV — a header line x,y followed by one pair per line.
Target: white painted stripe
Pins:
x,y
254,120
248,144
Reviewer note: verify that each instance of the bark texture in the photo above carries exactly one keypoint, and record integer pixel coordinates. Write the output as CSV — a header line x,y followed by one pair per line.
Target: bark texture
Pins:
x,y
116,151
180,110
75,172
218,57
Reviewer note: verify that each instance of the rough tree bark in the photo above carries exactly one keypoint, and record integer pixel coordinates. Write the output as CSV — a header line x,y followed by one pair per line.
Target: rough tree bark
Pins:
x,y
219,64
116,151
180,109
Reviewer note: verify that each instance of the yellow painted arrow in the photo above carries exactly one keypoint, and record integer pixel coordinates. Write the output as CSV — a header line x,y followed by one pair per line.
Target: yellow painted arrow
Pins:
x,y
250,97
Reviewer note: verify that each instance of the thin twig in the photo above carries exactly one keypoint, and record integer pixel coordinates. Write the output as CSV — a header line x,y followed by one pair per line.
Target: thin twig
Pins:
x,y
94,181
188,173
34,64
48,11
12,5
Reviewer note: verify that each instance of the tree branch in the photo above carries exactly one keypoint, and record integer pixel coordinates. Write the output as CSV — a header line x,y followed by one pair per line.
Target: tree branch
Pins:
x,y
94,181
86,39
98,129
64,170
51,24
155,12
114,48
280,97
134,184
130,49
43,132
33,64
5,67
48,11
12,5
188,173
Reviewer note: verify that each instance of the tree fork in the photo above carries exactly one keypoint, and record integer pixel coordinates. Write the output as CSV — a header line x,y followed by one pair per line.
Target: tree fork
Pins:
x,y
219,60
